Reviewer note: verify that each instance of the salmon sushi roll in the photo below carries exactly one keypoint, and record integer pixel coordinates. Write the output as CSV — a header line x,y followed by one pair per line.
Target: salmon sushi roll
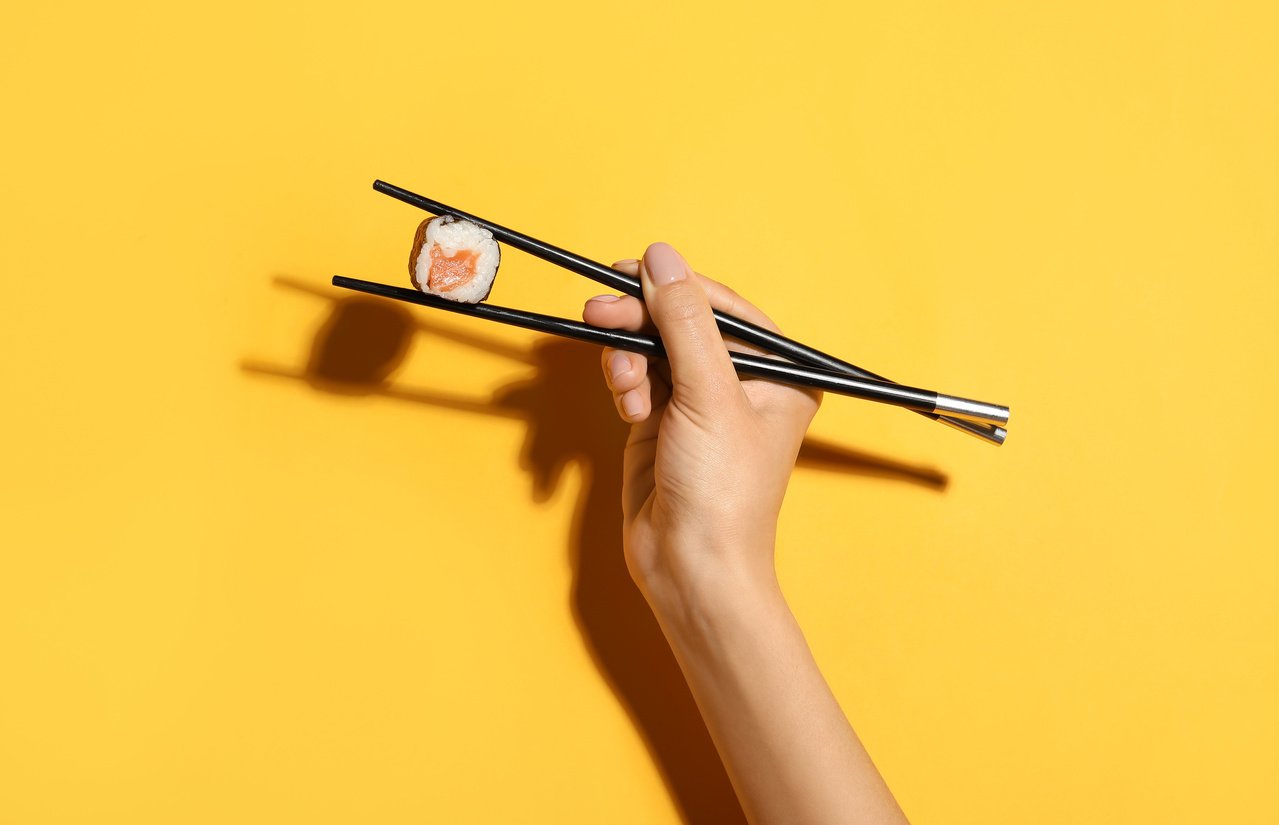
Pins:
x,y
454,259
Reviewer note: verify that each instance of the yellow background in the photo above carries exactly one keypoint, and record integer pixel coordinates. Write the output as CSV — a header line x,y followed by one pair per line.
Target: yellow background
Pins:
x,y
238,586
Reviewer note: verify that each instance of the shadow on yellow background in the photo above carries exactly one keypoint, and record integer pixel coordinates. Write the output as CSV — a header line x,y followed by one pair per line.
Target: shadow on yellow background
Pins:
x,y
358,349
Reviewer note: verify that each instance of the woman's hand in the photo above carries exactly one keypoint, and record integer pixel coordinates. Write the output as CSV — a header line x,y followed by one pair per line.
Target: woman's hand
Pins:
x,y
709,455
705,471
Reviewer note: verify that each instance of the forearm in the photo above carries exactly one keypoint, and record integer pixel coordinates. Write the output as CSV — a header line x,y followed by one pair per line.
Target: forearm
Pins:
x,y
788,748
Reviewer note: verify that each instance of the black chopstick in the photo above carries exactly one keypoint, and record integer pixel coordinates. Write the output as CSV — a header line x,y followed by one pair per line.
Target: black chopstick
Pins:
x,y
728,324
897,395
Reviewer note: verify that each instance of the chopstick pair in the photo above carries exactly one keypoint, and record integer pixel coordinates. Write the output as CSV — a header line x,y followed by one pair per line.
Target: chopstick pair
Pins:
x,y
822,370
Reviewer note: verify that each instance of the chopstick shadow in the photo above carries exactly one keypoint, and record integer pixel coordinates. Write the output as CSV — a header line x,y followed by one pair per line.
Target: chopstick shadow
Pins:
x,y
570,420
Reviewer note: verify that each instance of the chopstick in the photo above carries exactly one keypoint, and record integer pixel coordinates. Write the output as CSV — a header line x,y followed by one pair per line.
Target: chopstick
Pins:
x,y
728,324
912,398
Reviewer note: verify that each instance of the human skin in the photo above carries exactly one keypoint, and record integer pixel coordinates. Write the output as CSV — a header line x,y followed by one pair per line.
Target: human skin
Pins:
x,y
705,471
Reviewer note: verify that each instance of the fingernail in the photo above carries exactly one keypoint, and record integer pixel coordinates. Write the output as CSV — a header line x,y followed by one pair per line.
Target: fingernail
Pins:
x,y
604,299
618,365
664,264
616,264
632,404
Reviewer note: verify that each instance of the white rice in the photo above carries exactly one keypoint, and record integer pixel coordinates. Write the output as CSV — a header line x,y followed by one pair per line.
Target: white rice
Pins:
x,y
453,235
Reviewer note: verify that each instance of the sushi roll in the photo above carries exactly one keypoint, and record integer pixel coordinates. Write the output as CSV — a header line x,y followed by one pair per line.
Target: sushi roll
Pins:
x,y
454,259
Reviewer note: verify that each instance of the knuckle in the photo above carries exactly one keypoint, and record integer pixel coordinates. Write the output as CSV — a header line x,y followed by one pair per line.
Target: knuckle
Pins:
x,y
732,300
682,306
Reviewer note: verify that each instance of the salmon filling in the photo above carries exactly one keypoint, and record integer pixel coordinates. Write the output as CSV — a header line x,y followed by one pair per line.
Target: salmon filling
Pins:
x,y
448,272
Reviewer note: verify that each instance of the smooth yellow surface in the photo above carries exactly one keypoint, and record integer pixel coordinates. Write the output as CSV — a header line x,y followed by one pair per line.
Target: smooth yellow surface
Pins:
x,y
232,595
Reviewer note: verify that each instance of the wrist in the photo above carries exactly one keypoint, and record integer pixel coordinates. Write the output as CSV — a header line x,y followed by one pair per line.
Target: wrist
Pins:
x,y
695,590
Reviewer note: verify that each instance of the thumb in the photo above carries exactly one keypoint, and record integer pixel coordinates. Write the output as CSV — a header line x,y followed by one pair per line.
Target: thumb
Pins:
x,y
701,372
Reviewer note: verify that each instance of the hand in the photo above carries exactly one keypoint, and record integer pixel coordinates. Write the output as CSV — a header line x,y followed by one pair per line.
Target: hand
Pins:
x,y
706,468
709,456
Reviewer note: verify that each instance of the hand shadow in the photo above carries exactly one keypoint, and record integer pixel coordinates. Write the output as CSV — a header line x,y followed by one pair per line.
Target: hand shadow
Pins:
x,y
570,419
